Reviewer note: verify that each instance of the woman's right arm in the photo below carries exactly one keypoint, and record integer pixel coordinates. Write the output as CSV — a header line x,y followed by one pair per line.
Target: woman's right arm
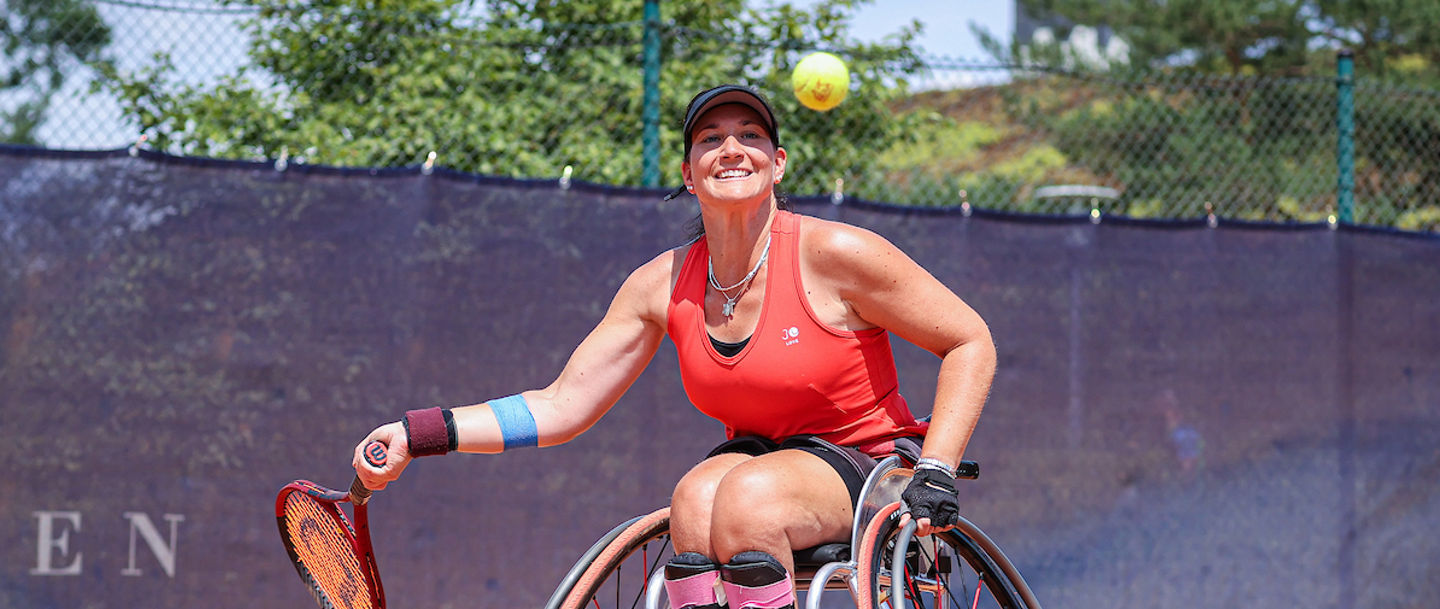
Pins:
x,y
598,372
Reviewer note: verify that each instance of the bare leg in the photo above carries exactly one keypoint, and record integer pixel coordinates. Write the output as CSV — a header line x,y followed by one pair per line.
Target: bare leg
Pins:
x,y
777,503
692,503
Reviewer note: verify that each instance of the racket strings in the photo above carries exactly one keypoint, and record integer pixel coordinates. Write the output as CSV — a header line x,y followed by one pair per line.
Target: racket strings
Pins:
x,y
323,545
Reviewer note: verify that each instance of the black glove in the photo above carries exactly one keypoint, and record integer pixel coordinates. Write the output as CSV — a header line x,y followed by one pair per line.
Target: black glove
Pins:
x,y
932,495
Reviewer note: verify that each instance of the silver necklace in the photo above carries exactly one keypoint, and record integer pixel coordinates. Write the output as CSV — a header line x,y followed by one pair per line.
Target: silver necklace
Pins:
x,y
728,309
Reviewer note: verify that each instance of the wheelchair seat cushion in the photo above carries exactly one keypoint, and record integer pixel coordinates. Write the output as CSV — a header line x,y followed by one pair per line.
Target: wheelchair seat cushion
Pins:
x,y
822,554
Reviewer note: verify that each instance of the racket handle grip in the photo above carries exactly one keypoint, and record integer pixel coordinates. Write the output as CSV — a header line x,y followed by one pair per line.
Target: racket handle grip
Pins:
x,y
375,455
358,493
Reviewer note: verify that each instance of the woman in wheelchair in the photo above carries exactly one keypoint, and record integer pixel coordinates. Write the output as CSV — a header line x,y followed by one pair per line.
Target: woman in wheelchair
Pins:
x,y
781,323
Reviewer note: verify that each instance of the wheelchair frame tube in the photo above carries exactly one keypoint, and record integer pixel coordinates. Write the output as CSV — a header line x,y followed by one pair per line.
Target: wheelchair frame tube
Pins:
x,y
654,589
897,565
823,576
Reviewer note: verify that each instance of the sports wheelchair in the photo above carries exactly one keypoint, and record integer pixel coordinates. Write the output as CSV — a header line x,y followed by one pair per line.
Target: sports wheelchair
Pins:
x,y
958,568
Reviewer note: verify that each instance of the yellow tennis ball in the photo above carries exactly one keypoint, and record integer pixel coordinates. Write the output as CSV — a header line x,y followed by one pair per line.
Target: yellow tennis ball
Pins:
x,y
821,81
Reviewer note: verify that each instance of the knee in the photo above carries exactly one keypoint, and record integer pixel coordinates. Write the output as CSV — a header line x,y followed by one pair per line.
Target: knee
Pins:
x,y
695,492
750,506
692,503
753,489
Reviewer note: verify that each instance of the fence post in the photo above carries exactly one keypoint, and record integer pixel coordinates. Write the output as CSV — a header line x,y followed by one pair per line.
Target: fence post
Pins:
x,y
1345,126
650,114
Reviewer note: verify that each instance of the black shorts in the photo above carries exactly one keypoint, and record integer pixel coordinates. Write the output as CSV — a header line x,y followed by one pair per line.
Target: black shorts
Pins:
x,y
852,465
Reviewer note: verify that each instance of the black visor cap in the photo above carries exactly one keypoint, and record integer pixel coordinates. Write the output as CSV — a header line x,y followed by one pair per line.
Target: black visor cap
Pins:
x,y
729,94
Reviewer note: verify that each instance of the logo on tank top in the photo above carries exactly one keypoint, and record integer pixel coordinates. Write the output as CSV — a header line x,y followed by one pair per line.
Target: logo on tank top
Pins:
x,y
790,335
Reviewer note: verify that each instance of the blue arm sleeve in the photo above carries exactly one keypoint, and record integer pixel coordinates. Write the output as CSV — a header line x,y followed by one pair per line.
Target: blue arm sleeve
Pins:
x,y
517,425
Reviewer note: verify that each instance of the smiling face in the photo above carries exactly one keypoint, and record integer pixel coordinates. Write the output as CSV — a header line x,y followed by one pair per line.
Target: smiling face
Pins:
x,y
732,157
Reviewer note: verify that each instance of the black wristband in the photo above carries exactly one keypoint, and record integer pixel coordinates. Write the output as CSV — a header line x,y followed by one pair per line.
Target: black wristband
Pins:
x,y
452,436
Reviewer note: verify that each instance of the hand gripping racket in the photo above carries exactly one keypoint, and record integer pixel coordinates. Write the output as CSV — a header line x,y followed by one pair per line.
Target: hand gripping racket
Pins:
x,y
335,560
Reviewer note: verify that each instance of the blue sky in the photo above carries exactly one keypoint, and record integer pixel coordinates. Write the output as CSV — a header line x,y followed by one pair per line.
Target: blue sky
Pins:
x,y
947,23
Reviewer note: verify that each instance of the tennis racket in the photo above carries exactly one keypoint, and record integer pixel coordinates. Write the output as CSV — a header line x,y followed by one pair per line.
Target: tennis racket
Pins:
x,y
334,559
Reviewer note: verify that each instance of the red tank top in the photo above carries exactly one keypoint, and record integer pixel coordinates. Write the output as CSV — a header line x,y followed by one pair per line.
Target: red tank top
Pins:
x,y
795,375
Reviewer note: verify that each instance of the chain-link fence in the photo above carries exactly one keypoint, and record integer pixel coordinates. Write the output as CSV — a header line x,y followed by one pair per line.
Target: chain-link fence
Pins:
x,y
1186,145
521,96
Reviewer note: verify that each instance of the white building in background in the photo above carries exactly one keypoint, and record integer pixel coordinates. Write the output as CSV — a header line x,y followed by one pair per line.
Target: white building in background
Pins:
x,y
1082,47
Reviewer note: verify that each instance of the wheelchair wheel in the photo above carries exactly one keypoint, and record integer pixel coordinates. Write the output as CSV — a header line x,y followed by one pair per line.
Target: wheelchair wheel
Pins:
x,y
958,568
616,570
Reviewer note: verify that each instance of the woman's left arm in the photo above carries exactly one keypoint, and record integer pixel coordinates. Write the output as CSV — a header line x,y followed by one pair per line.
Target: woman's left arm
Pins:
x,y
879,285
882,286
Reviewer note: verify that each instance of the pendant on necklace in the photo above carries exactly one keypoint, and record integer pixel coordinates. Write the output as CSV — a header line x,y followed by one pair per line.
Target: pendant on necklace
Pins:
x,y
728,309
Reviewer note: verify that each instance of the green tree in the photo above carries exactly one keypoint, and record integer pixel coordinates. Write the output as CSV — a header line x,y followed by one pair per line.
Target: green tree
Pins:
x,y
43,41
516,87
1208,112
1391,38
